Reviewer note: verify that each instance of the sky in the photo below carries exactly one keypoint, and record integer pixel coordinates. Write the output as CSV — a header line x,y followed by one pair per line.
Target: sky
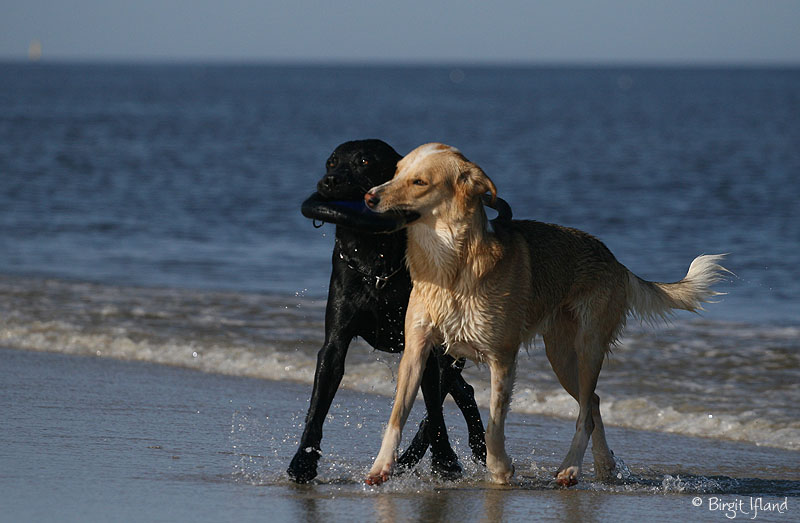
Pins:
x,y
745,32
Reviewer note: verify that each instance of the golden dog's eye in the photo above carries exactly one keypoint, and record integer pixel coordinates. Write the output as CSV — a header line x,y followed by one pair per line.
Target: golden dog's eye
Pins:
x,y
419,182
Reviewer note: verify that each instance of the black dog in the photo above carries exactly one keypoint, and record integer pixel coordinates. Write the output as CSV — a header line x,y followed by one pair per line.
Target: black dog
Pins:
x,y
367,297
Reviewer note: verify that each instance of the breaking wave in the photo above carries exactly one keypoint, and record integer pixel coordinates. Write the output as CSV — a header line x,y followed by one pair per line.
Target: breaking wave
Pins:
x,y
731,381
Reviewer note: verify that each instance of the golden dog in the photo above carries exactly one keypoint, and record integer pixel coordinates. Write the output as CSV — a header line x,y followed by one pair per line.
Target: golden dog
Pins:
x,y
483,292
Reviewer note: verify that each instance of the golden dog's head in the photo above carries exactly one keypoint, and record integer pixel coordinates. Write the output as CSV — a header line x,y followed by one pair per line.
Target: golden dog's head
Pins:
x,y
429,180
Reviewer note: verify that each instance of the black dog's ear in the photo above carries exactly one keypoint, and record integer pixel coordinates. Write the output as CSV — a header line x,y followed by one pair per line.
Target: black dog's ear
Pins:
x,y
475,182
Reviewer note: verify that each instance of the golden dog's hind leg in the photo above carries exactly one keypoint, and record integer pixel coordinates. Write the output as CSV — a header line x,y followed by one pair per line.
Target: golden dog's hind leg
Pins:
x,y
560,349
409,377
589,352
605,466
497,461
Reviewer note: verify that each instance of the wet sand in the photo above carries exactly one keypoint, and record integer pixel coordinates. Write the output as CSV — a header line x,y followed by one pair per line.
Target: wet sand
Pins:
x,y
89,439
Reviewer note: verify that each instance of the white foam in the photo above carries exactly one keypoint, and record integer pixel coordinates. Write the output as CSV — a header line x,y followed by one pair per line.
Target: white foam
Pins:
x,y
377,376
645,414
735,382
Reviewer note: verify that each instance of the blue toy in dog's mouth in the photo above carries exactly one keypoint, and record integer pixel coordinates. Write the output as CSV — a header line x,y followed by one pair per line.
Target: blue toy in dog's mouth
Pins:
x,y
354,214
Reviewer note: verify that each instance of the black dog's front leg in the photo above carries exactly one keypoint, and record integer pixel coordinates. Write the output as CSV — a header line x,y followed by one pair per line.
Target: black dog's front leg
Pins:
x,y
464,396
328,376
444,461
452,382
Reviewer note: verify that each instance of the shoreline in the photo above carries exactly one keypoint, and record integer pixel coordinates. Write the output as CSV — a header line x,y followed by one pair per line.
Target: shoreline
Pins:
x,y
375,387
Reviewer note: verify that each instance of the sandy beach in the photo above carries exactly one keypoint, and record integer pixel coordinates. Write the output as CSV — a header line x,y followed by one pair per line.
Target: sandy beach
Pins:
x,y
93,439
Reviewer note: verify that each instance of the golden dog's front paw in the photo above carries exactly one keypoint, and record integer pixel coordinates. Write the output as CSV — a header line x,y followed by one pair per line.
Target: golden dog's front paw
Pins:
x,y
568,477
378,475
376,479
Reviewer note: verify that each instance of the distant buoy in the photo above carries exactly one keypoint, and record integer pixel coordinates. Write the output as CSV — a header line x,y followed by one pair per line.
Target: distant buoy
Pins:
x,y
35,51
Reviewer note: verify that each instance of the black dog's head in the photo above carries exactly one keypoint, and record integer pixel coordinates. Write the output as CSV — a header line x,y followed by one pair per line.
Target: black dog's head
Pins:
x,y
355,167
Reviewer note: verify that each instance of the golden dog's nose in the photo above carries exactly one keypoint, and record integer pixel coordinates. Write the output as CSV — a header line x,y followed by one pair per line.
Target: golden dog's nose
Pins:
x,y
372,200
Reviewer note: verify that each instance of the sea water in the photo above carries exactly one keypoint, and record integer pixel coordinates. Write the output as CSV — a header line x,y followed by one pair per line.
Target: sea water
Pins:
x,y
152,212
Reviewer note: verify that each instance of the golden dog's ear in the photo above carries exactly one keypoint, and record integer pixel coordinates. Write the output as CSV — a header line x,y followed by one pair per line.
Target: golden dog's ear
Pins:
x,y
475,182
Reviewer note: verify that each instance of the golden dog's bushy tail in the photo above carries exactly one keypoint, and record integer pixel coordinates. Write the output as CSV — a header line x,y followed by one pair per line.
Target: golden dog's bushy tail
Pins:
x,y
653,301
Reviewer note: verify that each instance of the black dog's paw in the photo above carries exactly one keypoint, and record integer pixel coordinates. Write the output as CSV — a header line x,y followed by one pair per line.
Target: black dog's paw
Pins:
x,y
444,464
478,447
416,450
407,461
449,468
303,467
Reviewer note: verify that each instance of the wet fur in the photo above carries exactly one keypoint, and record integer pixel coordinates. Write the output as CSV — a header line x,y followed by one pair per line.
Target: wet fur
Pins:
x,y
484,291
